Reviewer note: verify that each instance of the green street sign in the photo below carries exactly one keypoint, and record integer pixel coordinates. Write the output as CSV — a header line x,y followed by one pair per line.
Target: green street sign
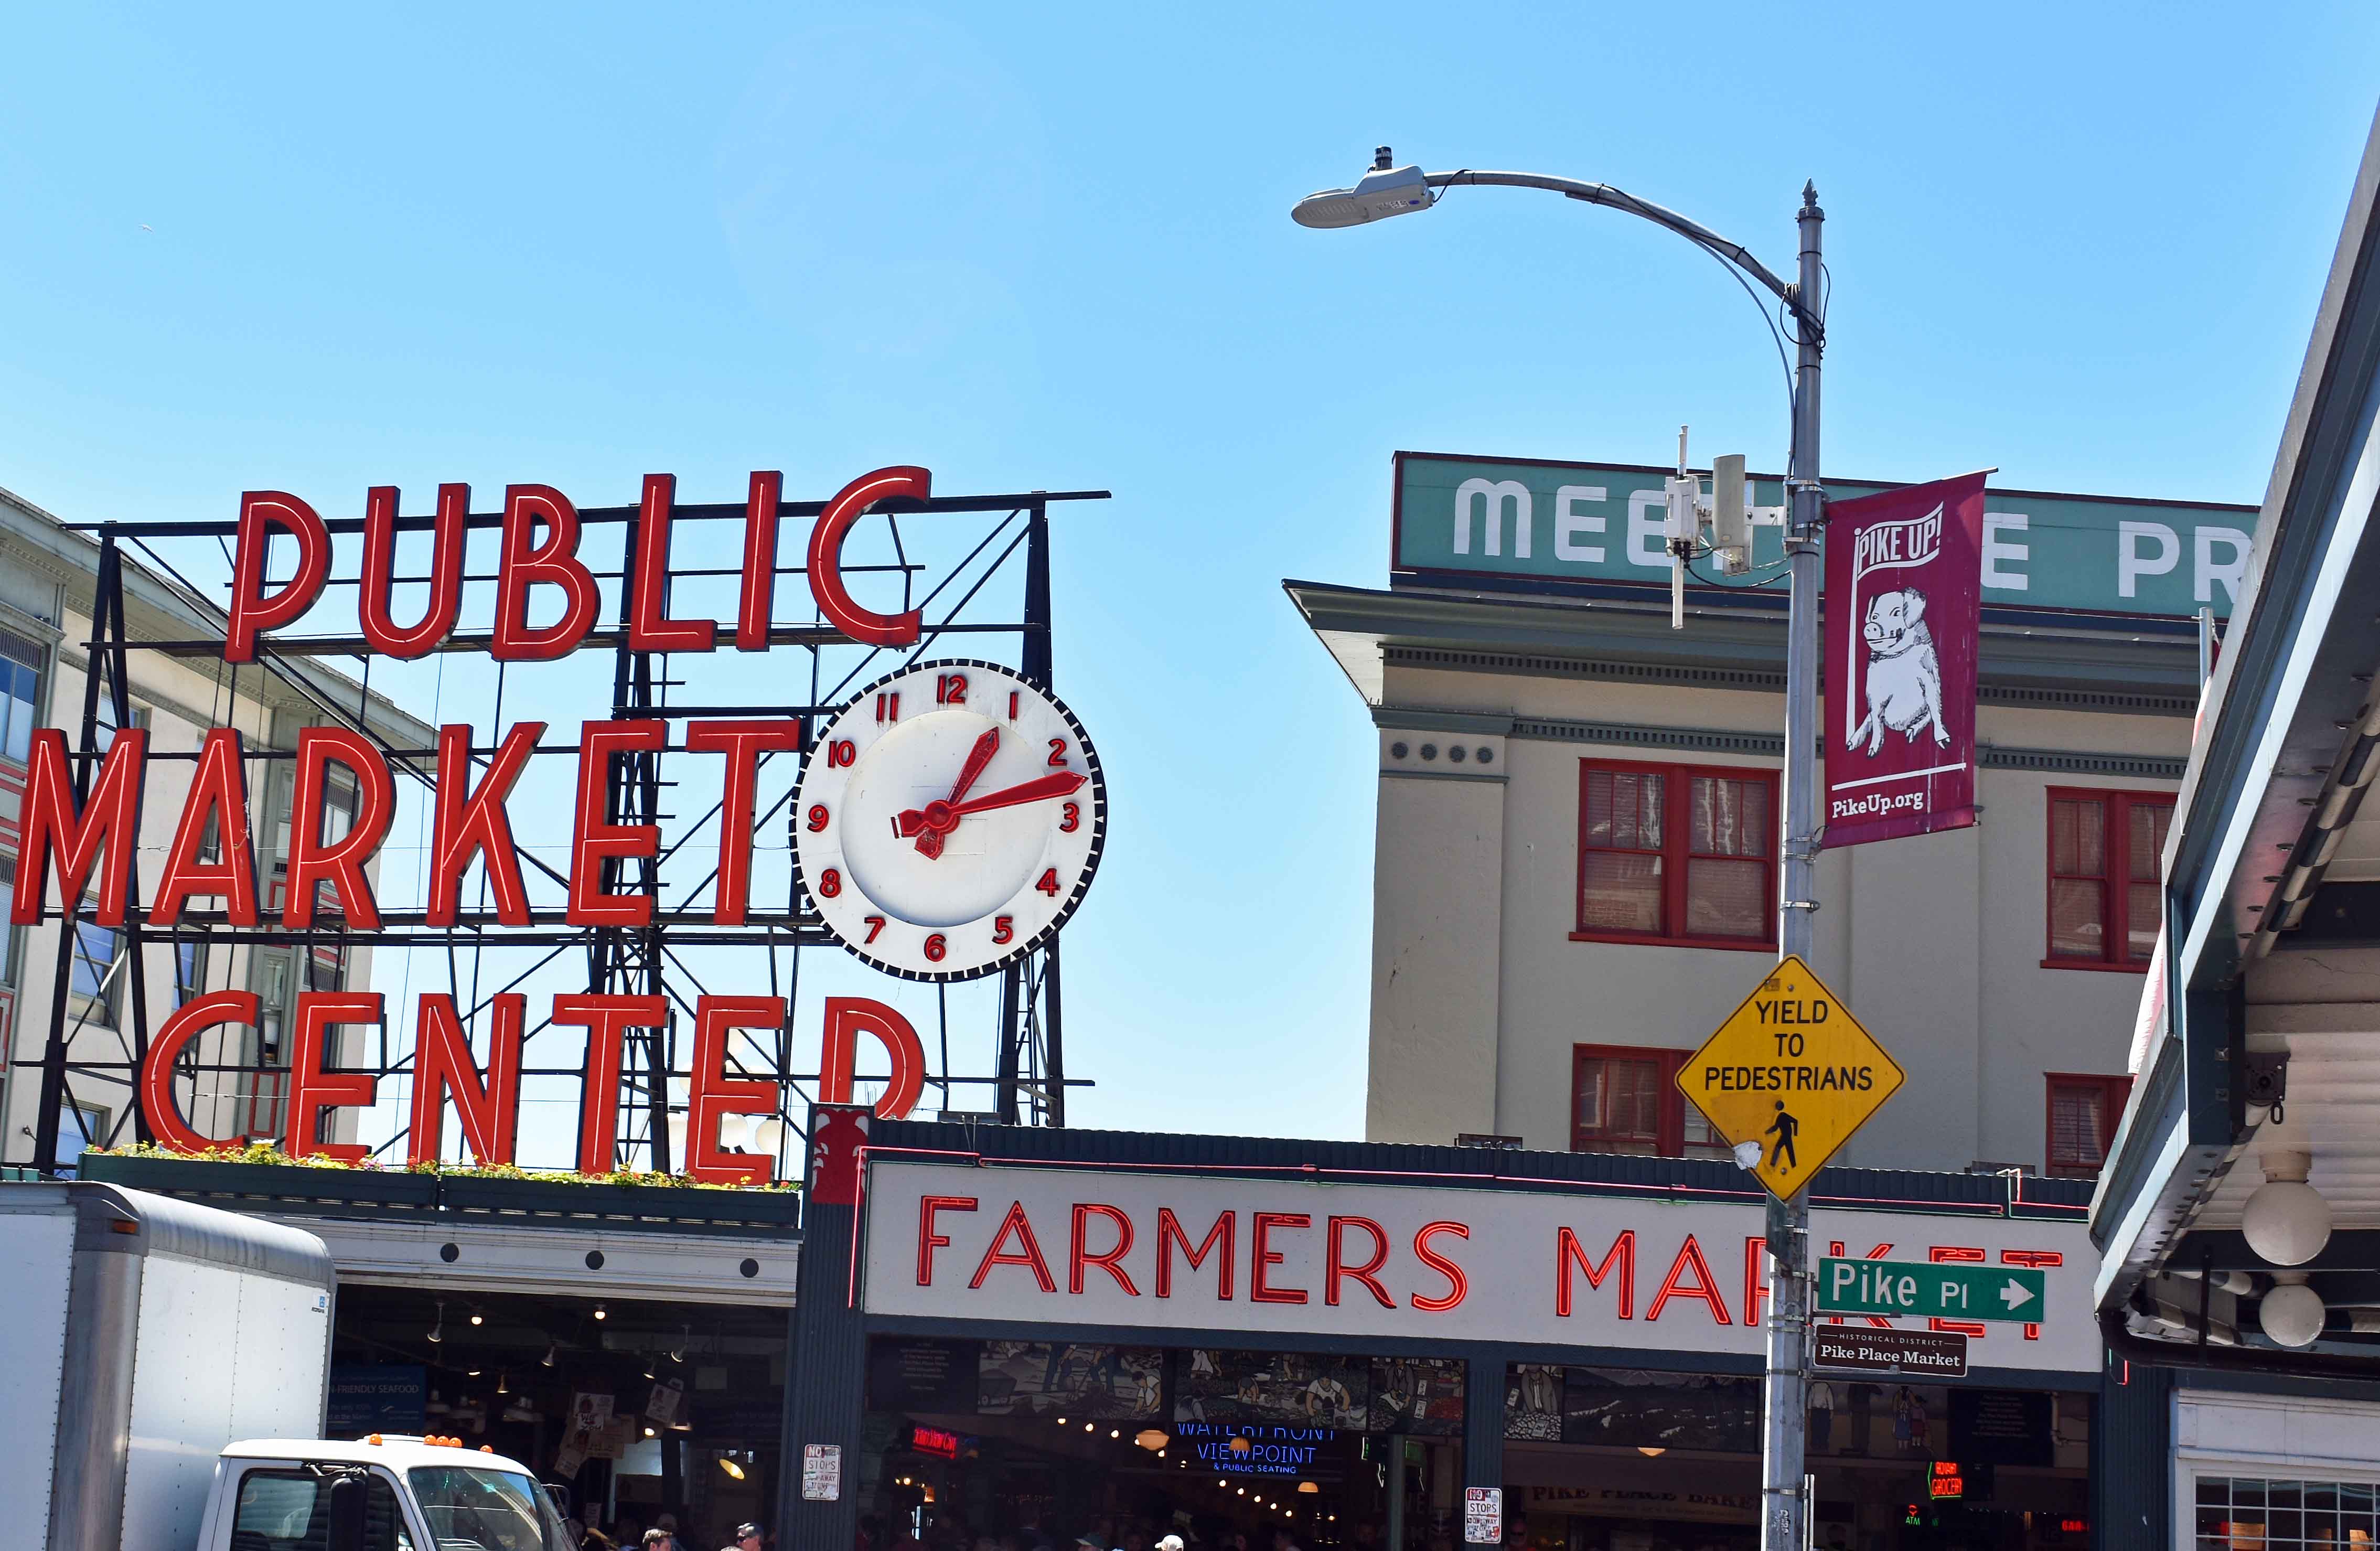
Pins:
x,y
1923,1290
1538,521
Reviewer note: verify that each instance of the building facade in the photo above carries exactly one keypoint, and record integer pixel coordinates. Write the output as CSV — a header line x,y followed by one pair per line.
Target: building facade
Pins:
x,y
48,578
1577,862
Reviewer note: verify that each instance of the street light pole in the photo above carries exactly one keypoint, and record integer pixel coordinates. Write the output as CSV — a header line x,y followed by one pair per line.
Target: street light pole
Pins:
x,y
1784,1511
1389,190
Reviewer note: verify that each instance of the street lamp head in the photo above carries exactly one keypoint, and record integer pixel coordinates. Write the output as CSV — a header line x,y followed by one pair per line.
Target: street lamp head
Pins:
x,y
1384,191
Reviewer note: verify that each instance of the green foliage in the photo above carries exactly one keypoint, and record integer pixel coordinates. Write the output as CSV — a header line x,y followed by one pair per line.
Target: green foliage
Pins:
x,y
270,1152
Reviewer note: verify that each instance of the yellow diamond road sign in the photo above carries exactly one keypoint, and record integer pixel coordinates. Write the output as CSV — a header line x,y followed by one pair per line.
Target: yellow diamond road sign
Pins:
x,y
1792,1072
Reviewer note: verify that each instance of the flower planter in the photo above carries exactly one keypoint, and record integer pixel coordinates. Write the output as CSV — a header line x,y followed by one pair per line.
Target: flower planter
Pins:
x,y
266,1182
620,1205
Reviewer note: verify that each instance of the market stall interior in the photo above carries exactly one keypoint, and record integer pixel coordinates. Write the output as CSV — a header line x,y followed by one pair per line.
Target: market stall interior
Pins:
x,y
1126,1445
635,1408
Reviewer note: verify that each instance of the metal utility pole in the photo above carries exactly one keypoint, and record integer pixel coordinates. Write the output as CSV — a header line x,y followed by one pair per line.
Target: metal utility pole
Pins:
x,y
1388,190
1784,1509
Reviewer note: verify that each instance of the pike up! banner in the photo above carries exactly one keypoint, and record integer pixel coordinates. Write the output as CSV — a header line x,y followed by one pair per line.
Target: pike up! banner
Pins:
x,y
1903,610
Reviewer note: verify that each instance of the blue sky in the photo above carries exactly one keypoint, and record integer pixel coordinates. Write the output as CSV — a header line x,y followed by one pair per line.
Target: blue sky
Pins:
x,y
1048,247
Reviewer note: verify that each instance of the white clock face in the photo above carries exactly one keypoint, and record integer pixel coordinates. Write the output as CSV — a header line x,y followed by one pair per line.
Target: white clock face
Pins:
x,y
949,820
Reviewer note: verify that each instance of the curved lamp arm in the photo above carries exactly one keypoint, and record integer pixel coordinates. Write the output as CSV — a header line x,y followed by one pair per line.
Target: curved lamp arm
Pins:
x,y
1603,194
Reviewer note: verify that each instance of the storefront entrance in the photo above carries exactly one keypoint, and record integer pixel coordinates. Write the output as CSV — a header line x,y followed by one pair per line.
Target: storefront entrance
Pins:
x,y
635,1408
1013,1442
1629,1459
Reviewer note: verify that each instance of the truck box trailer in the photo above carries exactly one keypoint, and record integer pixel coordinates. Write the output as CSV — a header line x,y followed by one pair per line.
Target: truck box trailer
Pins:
x,y
142,1335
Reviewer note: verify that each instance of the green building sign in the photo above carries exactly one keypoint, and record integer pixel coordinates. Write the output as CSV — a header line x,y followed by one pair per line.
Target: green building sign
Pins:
x,y
1599,522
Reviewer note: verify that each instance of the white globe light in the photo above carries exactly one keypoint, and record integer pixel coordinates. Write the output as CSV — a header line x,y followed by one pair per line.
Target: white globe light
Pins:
x,y
2291,1316
2286,1221
769,1136
677,1142
733,1131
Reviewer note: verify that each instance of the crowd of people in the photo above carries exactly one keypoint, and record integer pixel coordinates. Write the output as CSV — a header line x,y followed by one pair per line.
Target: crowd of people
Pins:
x,y
1101,1534
630,1535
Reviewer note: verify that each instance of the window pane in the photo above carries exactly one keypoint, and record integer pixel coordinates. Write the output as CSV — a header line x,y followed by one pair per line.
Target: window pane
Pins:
x,y
1755,796
2149,823
2078,839
1623,810
1701,1140
1730,817
1619,1103
2077,913
2078,1119
1727,899
94,951
1620,891
2142,903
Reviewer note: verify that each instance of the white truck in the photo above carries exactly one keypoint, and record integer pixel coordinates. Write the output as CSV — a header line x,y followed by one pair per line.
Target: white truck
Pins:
x,y
142,1336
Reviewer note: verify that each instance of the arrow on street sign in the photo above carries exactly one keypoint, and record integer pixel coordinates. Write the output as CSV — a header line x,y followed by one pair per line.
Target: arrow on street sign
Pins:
x,y
1928,1290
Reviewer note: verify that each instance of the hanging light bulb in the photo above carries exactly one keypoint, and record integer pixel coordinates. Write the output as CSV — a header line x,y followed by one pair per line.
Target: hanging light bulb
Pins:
x,y
437,1327
684,1337
503,1382
734,1472
552,1348
599,1311
478,1317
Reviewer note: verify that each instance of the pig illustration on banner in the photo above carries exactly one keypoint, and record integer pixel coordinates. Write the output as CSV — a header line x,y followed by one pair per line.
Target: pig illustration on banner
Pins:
x,y
1903,611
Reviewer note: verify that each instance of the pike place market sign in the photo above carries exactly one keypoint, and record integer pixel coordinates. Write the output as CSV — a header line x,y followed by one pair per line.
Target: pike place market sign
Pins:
x,y
1539,520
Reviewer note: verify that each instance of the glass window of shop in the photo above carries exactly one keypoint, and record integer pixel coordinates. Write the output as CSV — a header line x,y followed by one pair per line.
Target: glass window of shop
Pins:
x,y
2255,1513
1007,1445
1634,1460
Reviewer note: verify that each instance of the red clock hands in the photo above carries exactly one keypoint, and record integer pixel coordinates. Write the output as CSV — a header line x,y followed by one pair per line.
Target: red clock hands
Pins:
x,y
942,817
939,820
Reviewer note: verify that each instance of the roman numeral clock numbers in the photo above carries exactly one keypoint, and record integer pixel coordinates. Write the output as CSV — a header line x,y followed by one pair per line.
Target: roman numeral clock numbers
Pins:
x,y
949,820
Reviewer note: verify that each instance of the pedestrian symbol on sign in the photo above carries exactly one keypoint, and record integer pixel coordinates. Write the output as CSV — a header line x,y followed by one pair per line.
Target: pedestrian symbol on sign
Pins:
x,y
1789,1077
1782,1128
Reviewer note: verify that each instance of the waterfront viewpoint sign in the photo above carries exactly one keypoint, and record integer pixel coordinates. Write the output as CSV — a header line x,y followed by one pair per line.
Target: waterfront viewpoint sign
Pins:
x,y
1540,520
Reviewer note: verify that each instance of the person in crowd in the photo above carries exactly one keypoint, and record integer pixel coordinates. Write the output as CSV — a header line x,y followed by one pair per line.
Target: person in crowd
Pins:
x,y
657,1539
748,1538
1169,1543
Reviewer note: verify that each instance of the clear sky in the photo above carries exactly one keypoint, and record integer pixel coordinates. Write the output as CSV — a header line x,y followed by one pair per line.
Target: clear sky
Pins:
x,y
315,248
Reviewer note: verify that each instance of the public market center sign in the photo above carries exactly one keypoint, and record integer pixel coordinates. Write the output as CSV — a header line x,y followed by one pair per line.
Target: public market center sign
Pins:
x,y
1544,521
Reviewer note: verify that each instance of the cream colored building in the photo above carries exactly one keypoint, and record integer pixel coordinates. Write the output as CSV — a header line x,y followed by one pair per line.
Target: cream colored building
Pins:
x,y
47,579
1575,867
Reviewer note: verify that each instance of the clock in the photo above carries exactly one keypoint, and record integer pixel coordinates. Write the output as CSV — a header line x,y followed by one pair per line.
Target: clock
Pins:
x,y
948,819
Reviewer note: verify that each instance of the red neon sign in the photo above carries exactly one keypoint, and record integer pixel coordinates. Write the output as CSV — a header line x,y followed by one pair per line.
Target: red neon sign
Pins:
x,y
539,549
934,1441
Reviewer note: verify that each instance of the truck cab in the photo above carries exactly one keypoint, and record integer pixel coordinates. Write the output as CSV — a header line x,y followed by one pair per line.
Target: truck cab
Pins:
x,y
383,1493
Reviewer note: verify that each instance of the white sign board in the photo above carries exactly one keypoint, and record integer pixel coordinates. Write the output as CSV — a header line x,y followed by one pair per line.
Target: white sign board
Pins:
x,y
1483,1515
1175,1251
821,1472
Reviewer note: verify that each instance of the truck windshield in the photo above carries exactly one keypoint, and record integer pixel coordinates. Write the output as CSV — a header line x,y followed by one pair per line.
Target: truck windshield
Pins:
x,y
495,1511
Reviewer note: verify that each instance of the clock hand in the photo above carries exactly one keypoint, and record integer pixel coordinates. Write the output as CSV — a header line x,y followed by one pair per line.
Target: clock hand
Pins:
x,y
929,841
912,821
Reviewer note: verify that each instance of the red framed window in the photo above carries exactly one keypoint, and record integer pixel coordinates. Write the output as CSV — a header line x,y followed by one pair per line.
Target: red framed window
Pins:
x,y
2083,1110
1677,854
1625,1098
2105,849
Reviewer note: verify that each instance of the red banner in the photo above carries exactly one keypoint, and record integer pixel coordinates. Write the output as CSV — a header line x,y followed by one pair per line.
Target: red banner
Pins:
x,y
1903,611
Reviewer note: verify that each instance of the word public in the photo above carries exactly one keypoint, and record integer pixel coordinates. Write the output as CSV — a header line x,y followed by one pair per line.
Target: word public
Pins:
x,y
539,547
